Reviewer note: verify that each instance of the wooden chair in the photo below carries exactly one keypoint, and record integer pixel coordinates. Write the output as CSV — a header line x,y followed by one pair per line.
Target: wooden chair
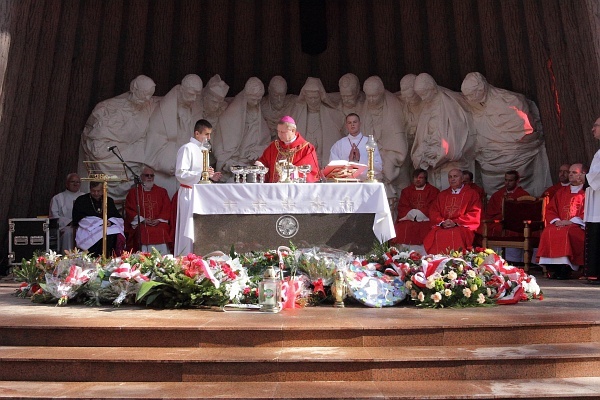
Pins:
x,y
522,224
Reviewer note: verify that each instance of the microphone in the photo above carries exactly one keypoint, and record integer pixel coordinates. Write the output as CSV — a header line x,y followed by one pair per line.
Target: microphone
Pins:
x,y
111,148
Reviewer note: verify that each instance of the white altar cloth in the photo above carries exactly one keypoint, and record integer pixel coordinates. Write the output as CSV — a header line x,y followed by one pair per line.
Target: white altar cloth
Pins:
x,y
297,198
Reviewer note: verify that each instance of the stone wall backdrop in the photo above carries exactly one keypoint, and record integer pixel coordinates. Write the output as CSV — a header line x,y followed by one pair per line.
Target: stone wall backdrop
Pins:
x,y
58,58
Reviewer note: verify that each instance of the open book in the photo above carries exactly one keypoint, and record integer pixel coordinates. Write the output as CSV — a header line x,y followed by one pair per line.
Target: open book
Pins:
x,y
341,169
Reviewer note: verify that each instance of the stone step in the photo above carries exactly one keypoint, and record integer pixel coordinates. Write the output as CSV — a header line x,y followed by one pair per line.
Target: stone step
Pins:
x,y
552,388
276,364
275,335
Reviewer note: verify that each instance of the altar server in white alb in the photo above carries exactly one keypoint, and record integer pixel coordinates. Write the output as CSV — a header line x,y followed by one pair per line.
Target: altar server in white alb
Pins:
x,y
353,147
592,215
61,207
188,170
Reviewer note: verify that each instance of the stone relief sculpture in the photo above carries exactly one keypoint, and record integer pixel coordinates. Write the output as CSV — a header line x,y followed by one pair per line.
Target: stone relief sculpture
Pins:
x,y
171,126
276,104
242,133
445,134
120,121
499,129
509,136
350,98
381,117
317,118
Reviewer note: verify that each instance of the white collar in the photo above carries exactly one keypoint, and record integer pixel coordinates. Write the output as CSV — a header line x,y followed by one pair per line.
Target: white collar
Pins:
x,y
457,191
576,189
196,142
355,139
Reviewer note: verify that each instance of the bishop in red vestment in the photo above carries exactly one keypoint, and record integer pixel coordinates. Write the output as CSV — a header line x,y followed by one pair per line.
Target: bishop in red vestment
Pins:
x,y
456,214
511,190
155,213
290,146
413,221
563,238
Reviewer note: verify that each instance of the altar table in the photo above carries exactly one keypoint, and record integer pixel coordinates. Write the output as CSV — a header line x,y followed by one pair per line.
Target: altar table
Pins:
x,y
348,216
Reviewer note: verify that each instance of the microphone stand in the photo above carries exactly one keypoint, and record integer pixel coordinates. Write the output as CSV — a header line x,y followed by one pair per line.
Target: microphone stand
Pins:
x,y
138,184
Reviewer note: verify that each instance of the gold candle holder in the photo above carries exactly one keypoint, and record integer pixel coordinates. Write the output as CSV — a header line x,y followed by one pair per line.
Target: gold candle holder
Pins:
x,y
339,289
371,146
205,164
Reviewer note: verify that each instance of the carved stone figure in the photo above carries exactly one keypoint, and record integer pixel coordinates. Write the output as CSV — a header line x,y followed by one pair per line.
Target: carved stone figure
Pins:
x,y
445,135
171,126
411,106
350,99
242,133
276,104
120,121
411,110
214,103
213,100
317,118
509,136
382,118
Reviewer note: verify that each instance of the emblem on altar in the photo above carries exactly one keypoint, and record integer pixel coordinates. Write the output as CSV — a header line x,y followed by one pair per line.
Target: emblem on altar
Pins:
x,y
287,226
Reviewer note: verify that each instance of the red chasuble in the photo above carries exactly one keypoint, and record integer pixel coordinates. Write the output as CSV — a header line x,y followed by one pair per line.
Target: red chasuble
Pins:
x,y
564,241
413,232
464,209
299,152
494,208
154,204
551,191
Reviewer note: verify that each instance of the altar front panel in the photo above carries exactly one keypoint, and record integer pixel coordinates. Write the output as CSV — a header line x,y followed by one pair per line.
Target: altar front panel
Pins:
x,y
349,216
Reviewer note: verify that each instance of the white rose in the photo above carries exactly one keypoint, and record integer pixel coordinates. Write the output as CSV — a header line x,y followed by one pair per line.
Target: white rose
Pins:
x,y
467,292
481,298
447,292
436,297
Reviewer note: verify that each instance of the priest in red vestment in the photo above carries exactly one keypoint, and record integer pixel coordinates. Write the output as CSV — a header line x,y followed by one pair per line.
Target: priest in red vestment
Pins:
x,y
456,214
562,242
413,221
152,229
493,211
291,147
468,180
563,180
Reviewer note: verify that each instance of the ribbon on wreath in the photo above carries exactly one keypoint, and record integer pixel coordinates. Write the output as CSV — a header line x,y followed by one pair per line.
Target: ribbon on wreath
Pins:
x,y
429,268
507,279
290,289
124,271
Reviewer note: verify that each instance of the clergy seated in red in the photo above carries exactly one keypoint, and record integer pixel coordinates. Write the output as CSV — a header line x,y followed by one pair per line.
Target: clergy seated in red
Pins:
x,y
563,180
413,223
511,190
561,247
291,147
468,180
152,229
456,213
